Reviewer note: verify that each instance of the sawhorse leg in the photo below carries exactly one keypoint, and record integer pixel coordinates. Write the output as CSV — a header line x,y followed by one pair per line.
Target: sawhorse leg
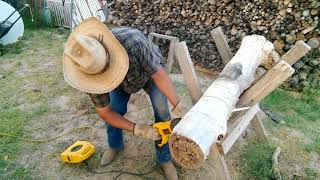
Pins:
x,y
216,158
258,127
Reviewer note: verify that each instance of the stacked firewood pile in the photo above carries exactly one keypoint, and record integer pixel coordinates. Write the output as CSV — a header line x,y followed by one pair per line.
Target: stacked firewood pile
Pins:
x,y
307,72
282,21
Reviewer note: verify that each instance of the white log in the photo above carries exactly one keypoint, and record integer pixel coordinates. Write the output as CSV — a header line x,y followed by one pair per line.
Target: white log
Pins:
x,y
206,121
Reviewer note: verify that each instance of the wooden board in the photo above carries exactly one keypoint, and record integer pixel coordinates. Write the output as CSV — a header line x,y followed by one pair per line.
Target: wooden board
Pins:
x,y
61,14
258,127
189,74
219,164
299,50
271,80
151,35
240,127
170,59
222,45
82,9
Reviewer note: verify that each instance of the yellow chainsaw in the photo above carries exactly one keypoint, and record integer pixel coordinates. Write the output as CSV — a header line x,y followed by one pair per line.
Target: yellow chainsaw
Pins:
x,y
165,129
82,150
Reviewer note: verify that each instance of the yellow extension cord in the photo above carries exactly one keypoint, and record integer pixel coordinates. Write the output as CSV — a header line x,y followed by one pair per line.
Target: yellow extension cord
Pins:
x,y
93,131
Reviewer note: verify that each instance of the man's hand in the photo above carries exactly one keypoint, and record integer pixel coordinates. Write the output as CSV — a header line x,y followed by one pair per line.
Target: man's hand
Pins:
x,y
147,132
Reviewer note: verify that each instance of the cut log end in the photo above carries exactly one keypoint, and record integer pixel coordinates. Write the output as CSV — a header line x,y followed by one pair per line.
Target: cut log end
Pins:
x,y
186,152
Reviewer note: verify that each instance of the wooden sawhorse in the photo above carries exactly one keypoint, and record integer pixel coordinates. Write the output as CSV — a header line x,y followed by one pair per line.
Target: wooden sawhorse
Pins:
x,y
266,81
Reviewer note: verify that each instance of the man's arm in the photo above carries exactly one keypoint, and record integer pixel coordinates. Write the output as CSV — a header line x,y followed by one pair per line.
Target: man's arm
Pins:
x,y
118,121
152,63
165,85
115,119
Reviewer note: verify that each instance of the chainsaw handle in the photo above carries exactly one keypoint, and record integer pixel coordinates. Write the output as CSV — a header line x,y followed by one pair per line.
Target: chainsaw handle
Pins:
x,y
164,130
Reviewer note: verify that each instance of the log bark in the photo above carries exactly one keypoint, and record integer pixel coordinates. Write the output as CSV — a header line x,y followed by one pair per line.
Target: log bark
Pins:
x,y
206,122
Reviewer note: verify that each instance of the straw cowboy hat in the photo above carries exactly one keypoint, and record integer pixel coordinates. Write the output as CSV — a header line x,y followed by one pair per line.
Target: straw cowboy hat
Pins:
x,y
93,60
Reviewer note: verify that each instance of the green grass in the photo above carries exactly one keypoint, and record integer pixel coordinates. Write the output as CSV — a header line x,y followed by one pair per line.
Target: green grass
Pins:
x,y
299,110
256,160
15,48
314,146
301,113
12,121
26,96
311,173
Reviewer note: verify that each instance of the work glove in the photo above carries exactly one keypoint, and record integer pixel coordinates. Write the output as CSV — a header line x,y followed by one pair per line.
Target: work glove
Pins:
x,y
177,110
146,131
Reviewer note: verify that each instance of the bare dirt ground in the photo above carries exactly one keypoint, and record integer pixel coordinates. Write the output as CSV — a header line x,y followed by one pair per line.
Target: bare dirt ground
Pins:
x,y
138,155
40,84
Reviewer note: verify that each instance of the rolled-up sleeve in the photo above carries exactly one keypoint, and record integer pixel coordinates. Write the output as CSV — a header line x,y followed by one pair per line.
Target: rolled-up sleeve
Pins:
x,y
150,57
100,100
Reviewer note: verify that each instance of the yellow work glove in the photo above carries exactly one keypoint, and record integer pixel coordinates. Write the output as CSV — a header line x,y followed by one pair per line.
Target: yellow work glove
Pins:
x,y
177,110
146,131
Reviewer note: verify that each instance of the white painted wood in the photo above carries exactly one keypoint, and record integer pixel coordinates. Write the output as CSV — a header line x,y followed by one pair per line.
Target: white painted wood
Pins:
x,y
81,9
82,5
241,126
89,8
207,119
59,13
163,36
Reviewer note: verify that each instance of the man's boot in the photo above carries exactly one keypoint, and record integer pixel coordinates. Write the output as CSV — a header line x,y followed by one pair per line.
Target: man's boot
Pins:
x,y
169,171
108,156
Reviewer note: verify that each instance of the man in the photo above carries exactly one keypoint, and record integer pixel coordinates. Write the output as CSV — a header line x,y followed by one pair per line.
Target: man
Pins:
x,y
112,66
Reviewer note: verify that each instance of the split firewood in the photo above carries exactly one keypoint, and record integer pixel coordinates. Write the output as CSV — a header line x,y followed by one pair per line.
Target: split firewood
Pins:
x,y
281,22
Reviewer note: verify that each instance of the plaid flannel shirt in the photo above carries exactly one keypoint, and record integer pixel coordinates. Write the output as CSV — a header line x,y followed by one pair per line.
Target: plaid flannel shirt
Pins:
x,y
144,60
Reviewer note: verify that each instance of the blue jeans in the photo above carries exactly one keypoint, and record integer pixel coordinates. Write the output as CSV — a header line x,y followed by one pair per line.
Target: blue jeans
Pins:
x,y
119,101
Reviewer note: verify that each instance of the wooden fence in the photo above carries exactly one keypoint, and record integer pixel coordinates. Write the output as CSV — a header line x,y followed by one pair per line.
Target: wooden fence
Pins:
x,y
72,12
60,13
